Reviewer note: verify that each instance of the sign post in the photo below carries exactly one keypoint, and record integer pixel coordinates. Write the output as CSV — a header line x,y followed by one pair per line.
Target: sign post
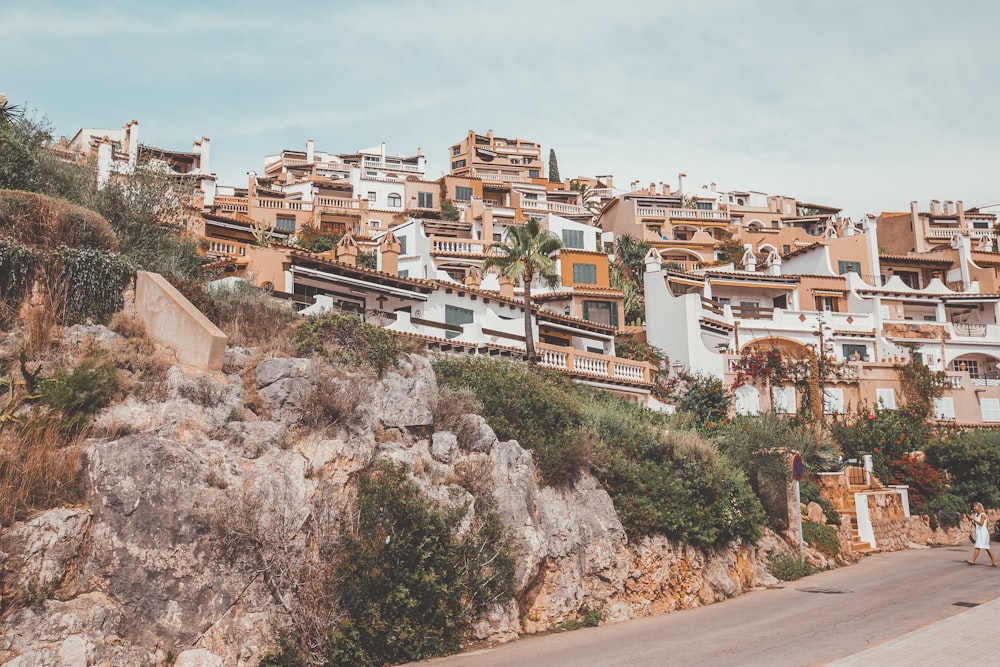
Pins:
x,y
797,469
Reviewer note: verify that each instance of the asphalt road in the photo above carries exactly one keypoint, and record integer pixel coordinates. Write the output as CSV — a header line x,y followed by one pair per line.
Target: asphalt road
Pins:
x,y
823,617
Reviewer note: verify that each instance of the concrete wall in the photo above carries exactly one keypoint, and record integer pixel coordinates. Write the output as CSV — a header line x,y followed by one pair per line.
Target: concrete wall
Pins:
x,y
171,320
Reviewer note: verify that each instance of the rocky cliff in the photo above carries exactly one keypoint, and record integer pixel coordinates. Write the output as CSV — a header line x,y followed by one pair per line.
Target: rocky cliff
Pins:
x,y
141,574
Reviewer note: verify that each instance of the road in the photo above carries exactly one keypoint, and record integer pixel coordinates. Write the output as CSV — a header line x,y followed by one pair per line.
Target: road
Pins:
x,y
823,617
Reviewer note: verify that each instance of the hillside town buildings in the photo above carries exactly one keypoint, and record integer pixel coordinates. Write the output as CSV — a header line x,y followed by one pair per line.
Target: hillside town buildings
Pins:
x,y
865,295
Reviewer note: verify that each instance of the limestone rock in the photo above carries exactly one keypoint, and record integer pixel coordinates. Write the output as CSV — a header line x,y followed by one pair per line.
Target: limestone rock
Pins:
x,y
407,396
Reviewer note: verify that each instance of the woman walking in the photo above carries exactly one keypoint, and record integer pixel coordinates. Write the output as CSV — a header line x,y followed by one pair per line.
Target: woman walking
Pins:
x,y
982,535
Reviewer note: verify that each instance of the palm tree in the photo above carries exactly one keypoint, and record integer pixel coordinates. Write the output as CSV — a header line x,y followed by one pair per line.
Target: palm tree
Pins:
x,y
627,274
589,199
8,112
525,255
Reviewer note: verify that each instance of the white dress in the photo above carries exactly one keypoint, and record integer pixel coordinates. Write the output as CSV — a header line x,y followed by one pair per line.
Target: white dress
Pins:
x,y
982,533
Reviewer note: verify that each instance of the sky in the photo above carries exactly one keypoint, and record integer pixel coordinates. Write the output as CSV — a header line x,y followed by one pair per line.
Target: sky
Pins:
x,y
864,105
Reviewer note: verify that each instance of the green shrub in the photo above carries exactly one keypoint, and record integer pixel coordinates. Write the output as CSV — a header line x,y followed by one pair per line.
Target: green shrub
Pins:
x,y
787,567
945,510
79,393
885,434
285,654
671,483
538,408
410,585
706,397
972,461
821,537
347,339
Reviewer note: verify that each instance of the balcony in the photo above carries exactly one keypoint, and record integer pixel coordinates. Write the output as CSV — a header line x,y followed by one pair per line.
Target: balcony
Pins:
x,y
459,247
503,178
702,216
334,202
969,330
391,166
938,233
230,204
596,366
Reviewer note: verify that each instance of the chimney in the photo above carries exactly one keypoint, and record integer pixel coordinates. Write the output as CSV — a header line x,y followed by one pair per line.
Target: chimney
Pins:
x,y
680,183
389,254
749,258
652,188
132,141
347,250
960,212
949,207
713,187
664,190
935,207
310,150
634,185
506,287
473,278
202,149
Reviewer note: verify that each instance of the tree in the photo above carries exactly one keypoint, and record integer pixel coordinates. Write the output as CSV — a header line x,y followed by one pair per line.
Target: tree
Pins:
x,y
627,272
11,112
525,255
589,199
553,167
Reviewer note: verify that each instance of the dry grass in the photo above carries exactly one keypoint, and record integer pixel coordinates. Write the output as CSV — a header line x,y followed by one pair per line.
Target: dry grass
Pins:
x,y
39,312
452,407
334,399
142,363
45,222
39,468
251,317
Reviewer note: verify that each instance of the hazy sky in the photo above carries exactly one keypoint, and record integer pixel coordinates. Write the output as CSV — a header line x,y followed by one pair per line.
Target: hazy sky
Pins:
x,y
861,104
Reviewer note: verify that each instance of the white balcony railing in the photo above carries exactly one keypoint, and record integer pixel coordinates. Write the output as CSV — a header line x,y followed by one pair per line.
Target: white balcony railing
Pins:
x,y
595,365
335,202
449,246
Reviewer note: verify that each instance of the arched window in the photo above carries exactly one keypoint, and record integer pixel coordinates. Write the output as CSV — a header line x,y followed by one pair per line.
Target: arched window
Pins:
x,y
395,200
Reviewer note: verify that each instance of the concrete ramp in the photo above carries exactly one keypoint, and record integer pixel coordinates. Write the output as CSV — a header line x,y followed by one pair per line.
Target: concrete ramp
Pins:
x,y
171,320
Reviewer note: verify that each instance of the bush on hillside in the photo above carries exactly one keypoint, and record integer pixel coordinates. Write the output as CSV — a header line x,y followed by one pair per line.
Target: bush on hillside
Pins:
x,y
670,483
410,584
347,339
885,434
705,397
972,462
538,408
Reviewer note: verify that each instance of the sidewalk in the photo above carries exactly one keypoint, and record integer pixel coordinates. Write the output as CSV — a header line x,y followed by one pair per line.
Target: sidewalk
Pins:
x,y
962,639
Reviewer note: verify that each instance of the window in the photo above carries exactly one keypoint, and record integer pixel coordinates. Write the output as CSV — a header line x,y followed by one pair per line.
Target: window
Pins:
x,y
944,408
371,196
853,352
990,408
455,150
833,401
533,173
457,164
885,399
585,274
970,365
531,195
848,267
285,223
463,193
602,312
425,200
371,173
783,400
572,238
825,303
402,244
785,249
404,273
747,400
395,200
456,316
704,205
981,225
